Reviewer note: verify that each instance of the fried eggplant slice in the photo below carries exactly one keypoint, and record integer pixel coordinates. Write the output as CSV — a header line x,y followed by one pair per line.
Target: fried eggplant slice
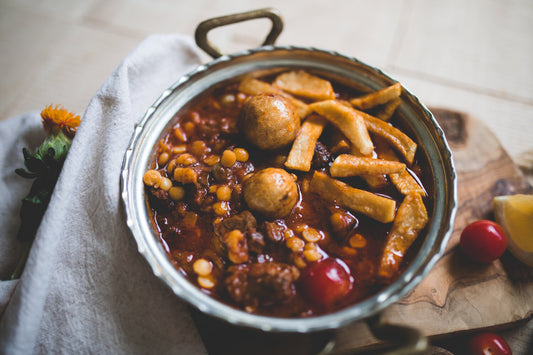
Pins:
x,y
303,147
348,121
303,84
350,165
380,208
377,98
410,219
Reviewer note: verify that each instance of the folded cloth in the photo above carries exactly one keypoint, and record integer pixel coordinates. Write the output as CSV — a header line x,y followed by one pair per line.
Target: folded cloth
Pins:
x,y
85,288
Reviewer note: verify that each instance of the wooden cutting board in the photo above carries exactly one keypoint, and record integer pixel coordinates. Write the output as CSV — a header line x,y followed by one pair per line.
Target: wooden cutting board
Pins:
x,y
457,295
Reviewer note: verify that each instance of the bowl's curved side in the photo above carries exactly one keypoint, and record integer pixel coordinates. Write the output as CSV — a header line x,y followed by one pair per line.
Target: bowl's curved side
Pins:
x,y
337,67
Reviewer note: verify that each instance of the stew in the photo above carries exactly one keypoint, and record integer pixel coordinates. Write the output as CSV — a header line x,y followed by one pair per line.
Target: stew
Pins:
x,y
279,196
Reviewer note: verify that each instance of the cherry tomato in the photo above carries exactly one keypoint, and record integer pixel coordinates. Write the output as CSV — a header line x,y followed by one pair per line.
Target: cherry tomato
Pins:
x,y
483,241
326,282
488,344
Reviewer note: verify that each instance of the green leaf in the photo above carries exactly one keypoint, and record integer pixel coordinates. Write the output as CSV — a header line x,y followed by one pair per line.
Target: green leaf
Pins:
x,y
49,157
35,164
26,153
25,174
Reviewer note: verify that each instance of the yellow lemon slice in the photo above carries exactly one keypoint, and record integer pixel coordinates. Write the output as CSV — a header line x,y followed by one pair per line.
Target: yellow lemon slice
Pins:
x,y
515,214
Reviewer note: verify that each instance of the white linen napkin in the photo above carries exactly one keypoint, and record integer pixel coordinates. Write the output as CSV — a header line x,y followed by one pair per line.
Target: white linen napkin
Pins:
x,y
85,288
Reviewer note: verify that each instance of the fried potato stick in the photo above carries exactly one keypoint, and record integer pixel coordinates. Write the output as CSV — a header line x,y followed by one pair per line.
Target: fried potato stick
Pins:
x,y
404,182
377,207
399,140
375,181
410,219
350,165
377,98
385,111
341,145
252,86
301,83
303,147
338,143
348,121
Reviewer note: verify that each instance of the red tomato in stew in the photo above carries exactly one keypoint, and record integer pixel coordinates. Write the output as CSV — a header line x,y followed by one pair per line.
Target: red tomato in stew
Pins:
x,y
483,241
488,344
326,282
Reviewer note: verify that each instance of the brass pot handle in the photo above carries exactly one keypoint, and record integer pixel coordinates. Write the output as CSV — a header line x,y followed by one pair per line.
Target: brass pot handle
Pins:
x,y
204,27
406,340
399,340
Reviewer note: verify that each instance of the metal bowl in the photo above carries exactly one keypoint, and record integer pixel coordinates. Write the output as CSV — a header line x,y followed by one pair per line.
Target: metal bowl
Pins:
x,y
413,115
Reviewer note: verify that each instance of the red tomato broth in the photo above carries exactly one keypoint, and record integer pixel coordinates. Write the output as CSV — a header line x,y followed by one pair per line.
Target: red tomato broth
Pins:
x,y
215,123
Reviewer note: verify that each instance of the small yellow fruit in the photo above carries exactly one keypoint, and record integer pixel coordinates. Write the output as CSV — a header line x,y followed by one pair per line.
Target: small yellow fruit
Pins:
x,y
515,214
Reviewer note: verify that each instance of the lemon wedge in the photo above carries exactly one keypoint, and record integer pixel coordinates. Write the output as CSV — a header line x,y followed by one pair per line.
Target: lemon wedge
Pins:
x,y
515,214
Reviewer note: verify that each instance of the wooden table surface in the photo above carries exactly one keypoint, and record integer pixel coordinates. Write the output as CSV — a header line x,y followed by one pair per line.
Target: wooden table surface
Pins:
x,y
471,56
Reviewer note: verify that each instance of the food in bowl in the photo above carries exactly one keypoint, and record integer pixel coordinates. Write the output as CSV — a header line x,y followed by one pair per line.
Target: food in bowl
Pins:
x,y
289,195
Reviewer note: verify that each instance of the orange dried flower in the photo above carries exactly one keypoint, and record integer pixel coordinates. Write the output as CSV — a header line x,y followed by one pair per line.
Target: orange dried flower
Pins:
x,y
44,165
57,118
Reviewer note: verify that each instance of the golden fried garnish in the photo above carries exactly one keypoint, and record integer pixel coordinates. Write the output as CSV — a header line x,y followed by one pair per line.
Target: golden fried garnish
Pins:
x,y
339,143
375,181
406,183
351,165
399,140
385,111
301,83
410,219
377,207
251,86
377,98
342,146
303,147
348,121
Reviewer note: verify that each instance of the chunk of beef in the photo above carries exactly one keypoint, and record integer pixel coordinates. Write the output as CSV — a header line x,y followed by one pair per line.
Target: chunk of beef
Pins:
x,y
274,231
322,157
256,242
220,173
258,285
159,199
244,222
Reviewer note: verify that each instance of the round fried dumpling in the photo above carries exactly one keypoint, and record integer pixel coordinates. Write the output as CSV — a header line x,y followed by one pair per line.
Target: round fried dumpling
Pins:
x,y
271,192
268,121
